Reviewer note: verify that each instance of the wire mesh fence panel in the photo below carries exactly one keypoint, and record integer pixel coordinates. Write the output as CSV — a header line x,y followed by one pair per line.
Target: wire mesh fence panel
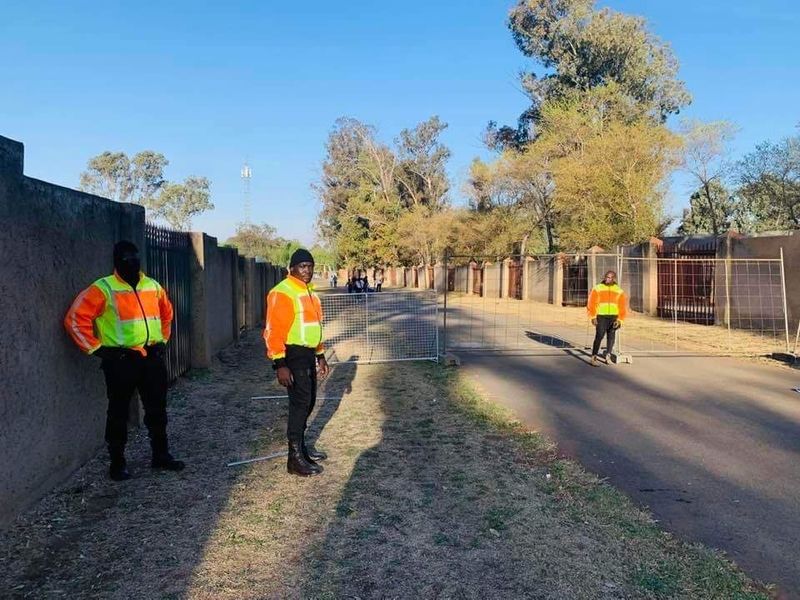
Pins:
x,y
675,305
533,303
705,306
381,326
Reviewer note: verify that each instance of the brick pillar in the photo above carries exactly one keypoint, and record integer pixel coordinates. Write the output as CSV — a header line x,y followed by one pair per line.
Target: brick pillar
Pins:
x,y
558,279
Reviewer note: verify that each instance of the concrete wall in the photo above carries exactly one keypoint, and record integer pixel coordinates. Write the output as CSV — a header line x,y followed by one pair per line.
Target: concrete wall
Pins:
x,y
215,276
492,280
538,279
462,279
54,243
749,280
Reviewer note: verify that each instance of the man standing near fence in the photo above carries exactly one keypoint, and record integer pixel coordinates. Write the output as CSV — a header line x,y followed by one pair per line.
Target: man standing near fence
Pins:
x,y
293,335
125,319
607,310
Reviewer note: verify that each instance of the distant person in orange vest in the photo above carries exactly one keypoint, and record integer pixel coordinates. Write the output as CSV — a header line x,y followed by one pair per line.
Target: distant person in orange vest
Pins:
x,y
293,335
607,310
125,319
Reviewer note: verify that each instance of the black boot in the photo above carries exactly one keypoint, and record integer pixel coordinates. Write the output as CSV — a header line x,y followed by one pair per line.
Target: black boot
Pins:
x,y
312,454
162,459
296,464
119,468
167,462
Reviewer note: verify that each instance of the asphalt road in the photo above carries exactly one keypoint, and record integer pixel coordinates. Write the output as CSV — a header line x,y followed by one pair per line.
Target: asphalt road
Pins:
x,y
711,445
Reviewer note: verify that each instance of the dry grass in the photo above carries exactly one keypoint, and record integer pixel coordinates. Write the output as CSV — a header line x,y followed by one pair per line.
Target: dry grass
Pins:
x,y
429,492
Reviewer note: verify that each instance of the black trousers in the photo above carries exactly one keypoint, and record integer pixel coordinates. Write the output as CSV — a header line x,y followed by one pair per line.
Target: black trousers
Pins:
x,y
129,371
302,362
605,327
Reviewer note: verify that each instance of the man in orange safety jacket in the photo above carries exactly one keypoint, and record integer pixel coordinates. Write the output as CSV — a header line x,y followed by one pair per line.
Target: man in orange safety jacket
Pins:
x,y
607,308
125,319
293,336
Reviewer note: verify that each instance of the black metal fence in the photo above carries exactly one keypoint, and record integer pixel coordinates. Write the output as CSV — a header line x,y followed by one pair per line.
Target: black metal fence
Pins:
x,y
169,262
686,285
576,281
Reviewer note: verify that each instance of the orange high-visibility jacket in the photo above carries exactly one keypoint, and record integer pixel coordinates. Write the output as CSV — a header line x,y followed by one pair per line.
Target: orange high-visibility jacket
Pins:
x,y
111,313
607,300
294,317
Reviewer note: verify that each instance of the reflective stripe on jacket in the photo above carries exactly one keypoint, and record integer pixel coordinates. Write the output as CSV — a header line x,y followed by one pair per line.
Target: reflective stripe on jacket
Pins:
x,y
294,317
607,300
111,313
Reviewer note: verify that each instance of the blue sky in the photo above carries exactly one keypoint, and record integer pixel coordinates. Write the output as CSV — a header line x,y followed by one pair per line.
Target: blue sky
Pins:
x,y
210,84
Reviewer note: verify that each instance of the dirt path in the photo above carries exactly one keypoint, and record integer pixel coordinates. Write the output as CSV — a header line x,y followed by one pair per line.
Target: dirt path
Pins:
x,y
428,493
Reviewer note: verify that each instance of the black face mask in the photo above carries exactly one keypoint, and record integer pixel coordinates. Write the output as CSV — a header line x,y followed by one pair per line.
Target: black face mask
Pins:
x,y
128,266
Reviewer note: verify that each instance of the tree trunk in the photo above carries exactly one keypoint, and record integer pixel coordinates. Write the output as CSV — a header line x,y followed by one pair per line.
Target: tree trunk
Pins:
x,y
713,213
548,228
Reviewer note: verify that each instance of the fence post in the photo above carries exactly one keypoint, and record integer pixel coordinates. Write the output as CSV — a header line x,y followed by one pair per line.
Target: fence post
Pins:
x,y
785,309
558,279
366,318
728,298
650,287
444,308
675,299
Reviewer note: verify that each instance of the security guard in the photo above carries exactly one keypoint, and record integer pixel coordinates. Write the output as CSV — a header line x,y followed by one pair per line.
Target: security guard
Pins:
x,y
607,310
293,335
124,319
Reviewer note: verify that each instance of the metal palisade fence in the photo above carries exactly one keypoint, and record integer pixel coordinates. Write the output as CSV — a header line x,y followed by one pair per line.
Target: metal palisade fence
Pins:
x,y
679,303
169,262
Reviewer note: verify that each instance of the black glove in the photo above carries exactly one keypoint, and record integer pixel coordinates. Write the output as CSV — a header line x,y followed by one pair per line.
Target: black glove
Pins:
x,y
617,324
157,349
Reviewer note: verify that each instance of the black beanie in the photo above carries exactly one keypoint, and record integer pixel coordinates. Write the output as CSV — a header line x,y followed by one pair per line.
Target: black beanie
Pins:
x,y
300,255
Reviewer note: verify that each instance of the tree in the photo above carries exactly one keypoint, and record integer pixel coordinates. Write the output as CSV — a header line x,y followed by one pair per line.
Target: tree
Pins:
x,y
115,176
367,187
140,180
516,189
256,241
582,48
421,173
705,151
178,203
698,217
769,179
608,173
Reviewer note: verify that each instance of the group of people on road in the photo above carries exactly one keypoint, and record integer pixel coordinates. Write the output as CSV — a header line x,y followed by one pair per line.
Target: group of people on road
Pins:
x,y
360,284
125,320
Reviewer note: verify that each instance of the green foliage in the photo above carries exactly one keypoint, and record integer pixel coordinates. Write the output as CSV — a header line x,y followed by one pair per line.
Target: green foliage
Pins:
x,y
263,241
594,176
115,176
255,241
609,174
178,203
705,158
703,215
582,48
141,180
769,179
372,195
